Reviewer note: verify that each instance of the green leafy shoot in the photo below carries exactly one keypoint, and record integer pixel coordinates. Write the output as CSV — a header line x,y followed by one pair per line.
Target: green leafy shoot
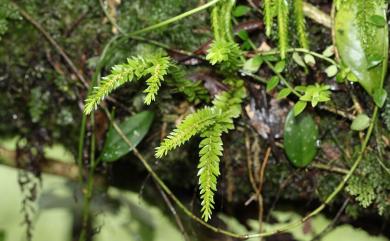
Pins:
x,y
209,123
315,94
155,67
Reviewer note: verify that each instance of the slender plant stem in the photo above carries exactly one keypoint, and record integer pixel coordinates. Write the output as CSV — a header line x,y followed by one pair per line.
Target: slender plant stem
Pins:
x,y
142,39
299,50
88,192
175,19
271,66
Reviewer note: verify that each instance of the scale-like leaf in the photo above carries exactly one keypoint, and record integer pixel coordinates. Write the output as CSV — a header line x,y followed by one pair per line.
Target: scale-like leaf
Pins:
x,y
359,40
134,127
300,137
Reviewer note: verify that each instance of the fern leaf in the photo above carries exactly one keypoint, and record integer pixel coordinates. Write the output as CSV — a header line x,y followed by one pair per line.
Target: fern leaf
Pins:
x,y
190,126
158,70
268,16
283,27
120,74
193,90
300,23
210,152
135,68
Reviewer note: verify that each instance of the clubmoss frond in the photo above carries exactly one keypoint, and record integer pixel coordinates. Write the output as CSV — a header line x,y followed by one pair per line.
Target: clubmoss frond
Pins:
x,y
158,70
283,13
223,50
190,126
193,90
300,24
269,14
227,19
209,123
210,152
135,68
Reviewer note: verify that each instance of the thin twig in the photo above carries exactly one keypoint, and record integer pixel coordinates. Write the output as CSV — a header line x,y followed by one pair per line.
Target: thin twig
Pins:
x,y
174,213
260,188
331,225
176,18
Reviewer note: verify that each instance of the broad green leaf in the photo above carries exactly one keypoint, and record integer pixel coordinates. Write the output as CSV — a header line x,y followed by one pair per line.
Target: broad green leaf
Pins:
x,y
253,64
300,138
362,44
134,127
360,123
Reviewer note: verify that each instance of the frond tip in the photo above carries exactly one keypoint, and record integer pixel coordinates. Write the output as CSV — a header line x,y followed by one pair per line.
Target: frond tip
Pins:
x,y
210,152
136,67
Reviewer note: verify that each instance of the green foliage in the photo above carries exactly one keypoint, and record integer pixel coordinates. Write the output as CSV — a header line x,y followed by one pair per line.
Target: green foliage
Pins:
x,y
300,23
136,67
283,13
225,53
223,49
368,42
362,190
300,138
193,90
210,152
269,13
190,126
6,12
134,127
370,184
281,9
315,93
209,123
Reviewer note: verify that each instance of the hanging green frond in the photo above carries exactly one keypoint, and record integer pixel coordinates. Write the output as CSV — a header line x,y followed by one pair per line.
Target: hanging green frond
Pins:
x,y
190,126
223,50
227,19
210,152
193,90
283,12
215,23
209,123
158,70
135,68
268,16
299,18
